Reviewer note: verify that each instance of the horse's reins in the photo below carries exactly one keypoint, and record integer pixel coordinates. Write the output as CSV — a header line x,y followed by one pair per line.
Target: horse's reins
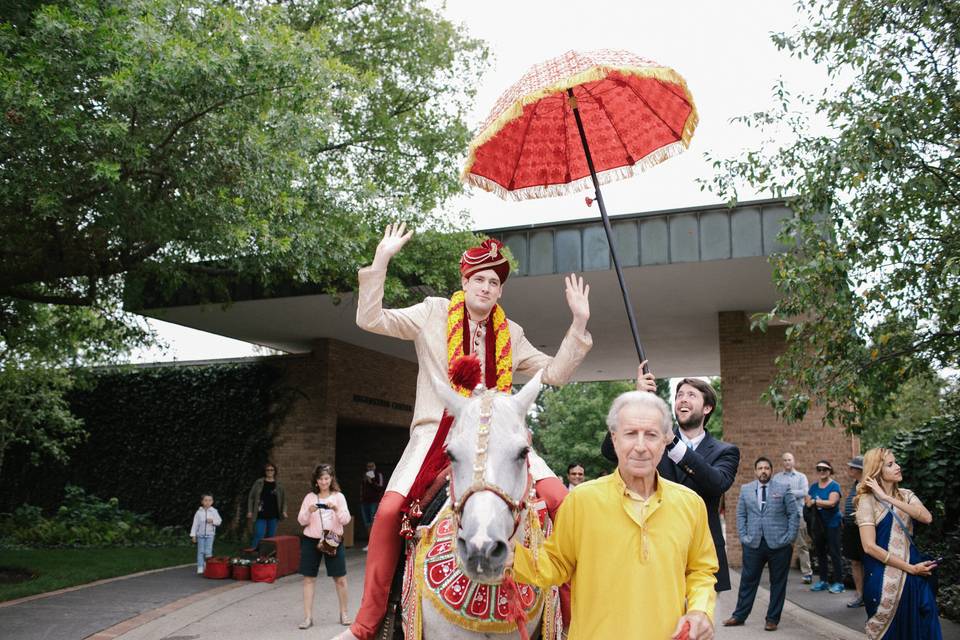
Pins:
x,y
480,483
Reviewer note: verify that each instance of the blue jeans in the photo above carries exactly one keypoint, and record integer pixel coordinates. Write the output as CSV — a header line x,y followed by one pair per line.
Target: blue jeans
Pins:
x,y
367,511
753,560
263,528
204,550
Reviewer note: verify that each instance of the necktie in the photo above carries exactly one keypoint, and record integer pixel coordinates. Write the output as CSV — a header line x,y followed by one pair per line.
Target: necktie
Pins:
x,y
763,496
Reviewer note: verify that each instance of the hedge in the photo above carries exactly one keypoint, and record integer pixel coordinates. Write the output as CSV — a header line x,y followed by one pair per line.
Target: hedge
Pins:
x,y
160,436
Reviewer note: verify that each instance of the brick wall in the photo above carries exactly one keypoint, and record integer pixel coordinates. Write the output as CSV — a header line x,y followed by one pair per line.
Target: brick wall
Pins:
x,y
747,368
339,387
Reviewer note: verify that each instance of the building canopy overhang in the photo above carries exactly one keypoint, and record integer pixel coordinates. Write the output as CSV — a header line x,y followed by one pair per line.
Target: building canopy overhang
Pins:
x,y
682,267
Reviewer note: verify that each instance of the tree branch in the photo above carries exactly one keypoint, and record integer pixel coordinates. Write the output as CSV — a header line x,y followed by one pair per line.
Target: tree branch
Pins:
x,y
216,105
45,298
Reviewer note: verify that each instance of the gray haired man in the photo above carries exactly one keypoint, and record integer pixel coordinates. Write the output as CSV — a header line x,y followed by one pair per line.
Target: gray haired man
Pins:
x,y
799,485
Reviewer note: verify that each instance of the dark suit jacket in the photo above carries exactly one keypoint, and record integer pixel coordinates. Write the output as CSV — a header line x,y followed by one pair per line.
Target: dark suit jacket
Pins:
x,y
710,471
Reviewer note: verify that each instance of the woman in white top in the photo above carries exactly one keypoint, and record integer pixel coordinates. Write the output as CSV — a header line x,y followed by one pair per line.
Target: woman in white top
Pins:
x,y
323,509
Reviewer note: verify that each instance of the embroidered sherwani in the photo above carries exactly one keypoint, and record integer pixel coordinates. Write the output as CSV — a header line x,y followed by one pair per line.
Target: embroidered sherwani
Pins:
x,y
426,324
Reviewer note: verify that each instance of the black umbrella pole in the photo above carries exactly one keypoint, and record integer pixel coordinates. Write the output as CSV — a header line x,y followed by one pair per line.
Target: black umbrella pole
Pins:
x,y
609,231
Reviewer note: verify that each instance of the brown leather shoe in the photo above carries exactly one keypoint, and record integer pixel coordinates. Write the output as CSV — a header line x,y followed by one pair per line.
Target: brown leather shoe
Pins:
x,y
769,626
732,622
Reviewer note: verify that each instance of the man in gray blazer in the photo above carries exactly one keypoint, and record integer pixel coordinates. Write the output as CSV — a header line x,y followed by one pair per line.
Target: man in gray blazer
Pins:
x,y
767,521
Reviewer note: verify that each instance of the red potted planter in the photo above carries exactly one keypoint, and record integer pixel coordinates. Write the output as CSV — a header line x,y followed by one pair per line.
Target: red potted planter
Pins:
x,y
217,568
263,571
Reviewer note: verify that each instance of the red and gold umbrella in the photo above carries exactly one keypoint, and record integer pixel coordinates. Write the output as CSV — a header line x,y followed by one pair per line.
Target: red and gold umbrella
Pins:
x,y
634,112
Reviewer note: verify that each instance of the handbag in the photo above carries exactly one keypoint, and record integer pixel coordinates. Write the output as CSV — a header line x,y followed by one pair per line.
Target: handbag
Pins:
x,y
933,579
329,542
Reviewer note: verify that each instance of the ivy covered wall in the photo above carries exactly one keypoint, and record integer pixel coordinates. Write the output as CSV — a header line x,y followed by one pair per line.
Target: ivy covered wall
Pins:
x,y
159,436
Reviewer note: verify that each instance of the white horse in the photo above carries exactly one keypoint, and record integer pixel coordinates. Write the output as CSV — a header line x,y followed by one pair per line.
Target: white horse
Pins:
x,y
460,560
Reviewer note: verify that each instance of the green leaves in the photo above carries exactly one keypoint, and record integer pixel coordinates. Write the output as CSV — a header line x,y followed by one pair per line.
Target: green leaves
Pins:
x,y
272,140
873,241
569,422
84,520
151,135
178,430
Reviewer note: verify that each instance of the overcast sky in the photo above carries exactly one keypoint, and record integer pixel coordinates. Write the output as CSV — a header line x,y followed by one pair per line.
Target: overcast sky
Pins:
x,y
722,49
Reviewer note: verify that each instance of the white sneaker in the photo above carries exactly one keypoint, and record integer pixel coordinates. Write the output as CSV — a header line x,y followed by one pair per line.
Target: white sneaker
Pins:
x,y
345,635
365,548
199,570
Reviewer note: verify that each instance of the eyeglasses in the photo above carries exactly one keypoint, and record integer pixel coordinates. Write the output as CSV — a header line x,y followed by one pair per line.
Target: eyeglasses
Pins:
x,y
824,469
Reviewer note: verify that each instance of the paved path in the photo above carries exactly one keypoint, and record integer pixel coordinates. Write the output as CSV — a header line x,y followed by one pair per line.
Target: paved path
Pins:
x,y
801,602
178,605
78,613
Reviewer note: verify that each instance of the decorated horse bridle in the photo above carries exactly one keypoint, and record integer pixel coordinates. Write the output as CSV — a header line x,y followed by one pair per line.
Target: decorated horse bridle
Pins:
x,y
480,483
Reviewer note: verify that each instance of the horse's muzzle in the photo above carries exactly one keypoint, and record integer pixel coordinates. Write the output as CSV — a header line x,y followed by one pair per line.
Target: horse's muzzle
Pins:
x,y
483,562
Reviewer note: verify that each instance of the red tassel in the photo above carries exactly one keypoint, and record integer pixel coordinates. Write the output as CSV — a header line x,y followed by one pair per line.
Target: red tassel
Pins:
x,y
515,610
406,529
465,372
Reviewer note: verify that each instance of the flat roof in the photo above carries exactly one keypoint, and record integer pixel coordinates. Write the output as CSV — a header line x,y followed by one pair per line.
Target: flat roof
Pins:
x,y
682,267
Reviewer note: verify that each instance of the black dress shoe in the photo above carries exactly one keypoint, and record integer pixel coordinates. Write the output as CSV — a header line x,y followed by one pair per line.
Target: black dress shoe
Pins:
x,y
769,626
732,622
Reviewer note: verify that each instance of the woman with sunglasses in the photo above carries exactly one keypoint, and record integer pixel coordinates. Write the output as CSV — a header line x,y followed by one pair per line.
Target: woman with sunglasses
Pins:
x,y
899,600
824,497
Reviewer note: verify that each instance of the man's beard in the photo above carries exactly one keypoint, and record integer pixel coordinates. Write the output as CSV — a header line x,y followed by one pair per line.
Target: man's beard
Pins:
x,y
693,420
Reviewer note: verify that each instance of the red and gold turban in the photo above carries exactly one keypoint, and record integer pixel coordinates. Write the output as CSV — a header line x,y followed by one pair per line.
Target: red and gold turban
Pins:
x,y
489,255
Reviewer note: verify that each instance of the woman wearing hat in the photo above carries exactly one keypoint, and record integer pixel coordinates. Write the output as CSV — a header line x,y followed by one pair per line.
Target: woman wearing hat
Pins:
x,y
824,497
469,323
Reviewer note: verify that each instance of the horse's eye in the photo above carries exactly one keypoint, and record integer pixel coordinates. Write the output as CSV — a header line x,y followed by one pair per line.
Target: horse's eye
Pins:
x,y
523,453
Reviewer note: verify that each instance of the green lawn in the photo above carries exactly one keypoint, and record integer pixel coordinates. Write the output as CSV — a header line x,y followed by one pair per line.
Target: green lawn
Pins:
x,y
59,568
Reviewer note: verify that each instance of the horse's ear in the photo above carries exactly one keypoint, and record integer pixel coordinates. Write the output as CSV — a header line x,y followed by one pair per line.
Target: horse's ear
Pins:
x,y
453,401
525,397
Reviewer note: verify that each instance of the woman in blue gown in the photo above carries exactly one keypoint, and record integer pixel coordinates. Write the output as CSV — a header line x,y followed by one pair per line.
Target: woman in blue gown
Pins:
x,y
897,596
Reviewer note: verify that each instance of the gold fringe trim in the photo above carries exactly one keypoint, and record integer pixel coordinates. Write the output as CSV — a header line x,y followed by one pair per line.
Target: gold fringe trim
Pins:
x,y
453,617
423,546
604,177
515,110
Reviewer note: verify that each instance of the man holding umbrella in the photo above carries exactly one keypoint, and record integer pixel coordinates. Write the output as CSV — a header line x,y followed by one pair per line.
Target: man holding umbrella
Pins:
x,y
470,324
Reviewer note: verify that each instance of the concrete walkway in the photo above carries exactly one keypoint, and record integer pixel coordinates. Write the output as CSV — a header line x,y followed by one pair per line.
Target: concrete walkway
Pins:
x,y
78,613
178,605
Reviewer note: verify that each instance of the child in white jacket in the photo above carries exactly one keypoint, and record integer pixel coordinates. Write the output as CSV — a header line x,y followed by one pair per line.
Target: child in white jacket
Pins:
x,y
205,523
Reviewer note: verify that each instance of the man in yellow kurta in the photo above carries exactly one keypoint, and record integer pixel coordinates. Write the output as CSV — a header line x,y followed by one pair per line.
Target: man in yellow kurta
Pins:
x,y
635,548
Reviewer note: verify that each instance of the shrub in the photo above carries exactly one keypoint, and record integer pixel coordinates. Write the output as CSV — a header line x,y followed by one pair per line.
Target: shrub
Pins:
x,y
84,520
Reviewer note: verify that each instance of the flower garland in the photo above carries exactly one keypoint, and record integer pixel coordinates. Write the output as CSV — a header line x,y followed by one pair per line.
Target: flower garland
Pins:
x,y
456,317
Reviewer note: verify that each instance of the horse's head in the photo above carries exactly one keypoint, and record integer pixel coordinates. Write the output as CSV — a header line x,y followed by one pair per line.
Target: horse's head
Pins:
x,y
490,478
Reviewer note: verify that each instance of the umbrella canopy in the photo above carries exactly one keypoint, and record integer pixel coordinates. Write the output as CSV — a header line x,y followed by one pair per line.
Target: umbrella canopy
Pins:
x,y
636,113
